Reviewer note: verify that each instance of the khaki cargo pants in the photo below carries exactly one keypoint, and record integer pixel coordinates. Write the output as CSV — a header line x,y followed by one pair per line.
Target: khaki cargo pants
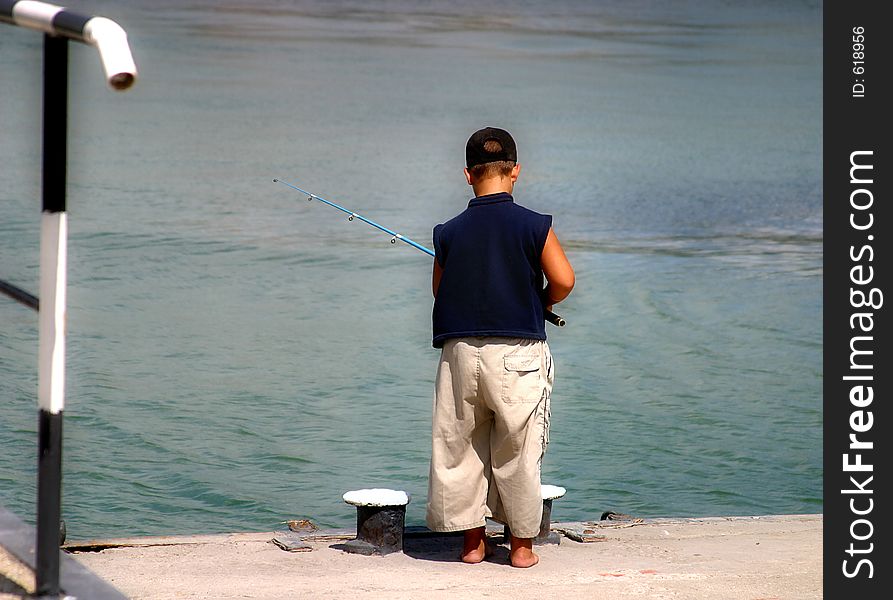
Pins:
x,y
490,431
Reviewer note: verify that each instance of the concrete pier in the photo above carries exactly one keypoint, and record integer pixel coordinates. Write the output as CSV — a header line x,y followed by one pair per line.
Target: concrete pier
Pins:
x,y
751,558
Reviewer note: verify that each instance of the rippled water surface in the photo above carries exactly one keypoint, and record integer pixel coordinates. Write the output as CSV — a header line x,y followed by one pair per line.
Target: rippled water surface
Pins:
x,y
238,356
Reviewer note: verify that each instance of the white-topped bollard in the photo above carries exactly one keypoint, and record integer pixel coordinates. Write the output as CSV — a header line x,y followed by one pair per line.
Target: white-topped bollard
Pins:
x,y
381,514
546,535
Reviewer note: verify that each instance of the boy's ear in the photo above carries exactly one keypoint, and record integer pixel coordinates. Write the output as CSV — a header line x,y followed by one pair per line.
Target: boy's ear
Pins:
x,y
516,170
467,176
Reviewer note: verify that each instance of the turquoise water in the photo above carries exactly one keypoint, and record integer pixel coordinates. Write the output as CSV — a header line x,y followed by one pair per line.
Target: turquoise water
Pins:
x,y
238,356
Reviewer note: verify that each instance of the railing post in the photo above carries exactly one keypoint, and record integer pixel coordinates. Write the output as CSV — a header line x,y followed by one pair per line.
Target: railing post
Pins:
x,y
58,25
52,316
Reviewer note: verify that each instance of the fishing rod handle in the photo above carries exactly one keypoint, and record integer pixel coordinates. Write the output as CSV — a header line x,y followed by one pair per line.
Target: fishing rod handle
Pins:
x,y
554,319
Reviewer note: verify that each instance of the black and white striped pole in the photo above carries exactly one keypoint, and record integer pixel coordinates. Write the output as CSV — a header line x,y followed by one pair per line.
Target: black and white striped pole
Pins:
x,y
58,25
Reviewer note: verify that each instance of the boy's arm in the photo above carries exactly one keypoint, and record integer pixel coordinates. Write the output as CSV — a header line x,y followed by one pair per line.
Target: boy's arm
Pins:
x,y
558,272
435,277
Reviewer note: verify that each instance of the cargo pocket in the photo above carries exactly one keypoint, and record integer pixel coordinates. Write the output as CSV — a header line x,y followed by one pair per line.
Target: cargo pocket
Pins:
x,y
522,379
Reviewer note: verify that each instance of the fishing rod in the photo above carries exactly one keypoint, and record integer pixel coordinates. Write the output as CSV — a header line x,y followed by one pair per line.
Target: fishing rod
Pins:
x,y
549,315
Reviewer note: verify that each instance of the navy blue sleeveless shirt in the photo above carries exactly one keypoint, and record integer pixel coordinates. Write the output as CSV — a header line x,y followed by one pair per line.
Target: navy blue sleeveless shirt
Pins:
x,y
492,277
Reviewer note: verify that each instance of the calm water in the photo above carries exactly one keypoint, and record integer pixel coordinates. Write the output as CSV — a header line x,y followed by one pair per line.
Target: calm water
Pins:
x,y
238,356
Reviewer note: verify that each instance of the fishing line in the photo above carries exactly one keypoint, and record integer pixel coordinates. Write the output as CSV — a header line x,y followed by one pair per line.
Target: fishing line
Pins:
x,y
351,215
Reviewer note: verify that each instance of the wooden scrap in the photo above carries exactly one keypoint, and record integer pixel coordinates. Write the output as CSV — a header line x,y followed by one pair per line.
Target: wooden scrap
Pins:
x,y
291,543
580,533
329,535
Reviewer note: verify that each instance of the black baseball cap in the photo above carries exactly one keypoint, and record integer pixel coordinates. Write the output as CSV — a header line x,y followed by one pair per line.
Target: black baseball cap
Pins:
x,y
475,154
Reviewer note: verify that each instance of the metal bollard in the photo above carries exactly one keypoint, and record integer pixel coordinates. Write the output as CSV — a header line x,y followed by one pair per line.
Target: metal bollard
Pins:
x,y
381,516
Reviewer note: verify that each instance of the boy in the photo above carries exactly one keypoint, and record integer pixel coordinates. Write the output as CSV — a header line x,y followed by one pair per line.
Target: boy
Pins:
x,y
491,410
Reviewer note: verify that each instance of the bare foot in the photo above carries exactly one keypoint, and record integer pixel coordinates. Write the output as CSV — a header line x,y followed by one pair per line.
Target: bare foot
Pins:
x,y
474,546
521,554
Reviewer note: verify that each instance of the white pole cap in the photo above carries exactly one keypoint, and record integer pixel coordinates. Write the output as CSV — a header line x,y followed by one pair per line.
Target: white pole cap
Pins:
x,y
114,51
